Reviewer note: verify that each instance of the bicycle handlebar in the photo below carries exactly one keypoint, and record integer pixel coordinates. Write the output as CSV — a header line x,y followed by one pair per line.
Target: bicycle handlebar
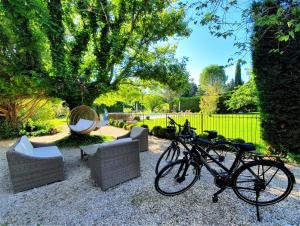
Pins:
x,y
173,122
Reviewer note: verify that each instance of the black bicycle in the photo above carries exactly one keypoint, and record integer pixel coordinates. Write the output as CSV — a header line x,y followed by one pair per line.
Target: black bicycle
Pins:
x,y
186,134
258,180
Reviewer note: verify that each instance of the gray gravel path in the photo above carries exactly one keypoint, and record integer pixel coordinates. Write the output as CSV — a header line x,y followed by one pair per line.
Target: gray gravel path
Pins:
x,y
76,201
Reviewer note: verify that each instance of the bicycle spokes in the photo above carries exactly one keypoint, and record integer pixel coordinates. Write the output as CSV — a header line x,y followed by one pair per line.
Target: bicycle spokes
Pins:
x,y
262,183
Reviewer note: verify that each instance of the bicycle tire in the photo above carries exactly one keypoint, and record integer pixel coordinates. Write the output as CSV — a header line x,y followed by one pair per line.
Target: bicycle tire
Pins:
x,y
173,166
251,165
169,152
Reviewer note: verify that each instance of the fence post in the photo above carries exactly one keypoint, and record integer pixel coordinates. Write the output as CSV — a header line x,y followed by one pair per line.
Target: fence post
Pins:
x,y
166,120
201,122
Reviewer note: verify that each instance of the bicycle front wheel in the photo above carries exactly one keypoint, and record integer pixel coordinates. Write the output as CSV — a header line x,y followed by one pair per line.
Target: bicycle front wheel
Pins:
x,y
181,175
262,182
170,155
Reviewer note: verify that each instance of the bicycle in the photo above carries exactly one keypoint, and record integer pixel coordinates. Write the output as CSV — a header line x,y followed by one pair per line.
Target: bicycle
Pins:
x,y
185,136
250,182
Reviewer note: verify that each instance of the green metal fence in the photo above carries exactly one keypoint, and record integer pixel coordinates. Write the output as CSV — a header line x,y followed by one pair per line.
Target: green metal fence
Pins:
x,y
244,126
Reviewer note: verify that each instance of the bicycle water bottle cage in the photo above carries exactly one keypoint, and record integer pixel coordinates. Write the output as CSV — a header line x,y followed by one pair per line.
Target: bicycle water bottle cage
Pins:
x,y
212,134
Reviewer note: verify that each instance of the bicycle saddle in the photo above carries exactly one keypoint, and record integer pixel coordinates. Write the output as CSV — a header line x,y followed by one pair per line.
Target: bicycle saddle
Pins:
x,y
245,146
212,134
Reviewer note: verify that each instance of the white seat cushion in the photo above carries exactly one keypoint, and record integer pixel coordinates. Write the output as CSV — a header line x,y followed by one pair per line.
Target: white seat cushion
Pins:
x,y
81,125
24,146
47,152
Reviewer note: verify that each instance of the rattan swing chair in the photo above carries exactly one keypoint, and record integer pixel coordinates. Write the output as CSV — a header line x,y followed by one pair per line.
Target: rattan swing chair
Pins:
x,y
83,120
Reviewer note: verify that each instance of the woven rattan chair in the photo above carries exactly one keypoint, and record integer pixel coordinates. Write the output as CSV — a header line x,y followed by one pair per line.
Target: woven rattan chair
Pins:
x,y
33,164
115,162
138,133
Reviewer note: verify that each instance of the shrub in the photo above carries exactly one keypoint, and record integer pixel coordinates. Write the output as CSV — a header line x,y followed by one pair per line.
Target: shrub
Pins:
x,y
75,140
36,128
6,130
221,137
277,78
162,133
137,118
155,130
121,124
148,117
237,140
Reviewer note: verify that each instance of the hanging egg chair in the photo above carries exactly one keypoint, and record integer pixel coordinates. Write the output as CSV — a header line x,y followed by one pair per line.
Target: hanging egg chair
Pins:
x,y
83,120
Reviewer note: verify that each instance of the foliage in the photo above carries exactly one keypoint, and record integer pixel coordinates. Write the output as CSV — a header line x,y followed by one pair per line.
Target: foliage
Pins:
x,y
216,15
148,117
60,49
222,108
277,73
187,104
213,75
209,102
37,128
244,98
6,130
152,101
238,74
155,130
191,90
76,140
137,118
23,59
111,43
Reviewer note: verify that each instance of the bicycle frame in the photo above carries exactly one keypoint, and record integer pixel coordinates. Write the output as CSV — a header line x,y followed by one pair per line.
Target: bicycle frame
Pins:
x,y
204,156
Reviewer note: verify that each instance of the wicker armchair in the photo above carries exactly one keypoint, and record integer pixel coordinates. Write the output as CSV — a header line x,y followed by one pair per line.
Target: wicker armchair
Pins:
x,y
114,162
43,165
140,134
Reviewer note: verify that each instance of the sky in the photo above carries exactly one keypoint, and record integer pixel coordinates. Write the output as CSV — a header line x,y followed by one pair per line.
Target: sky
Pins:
x,y
202,49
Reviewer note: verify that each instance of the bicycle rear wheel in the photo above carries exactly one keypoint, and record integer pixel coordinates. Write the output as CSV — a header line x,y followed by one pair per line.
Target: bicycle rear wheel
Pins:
x,y
171,154
262,182
180,177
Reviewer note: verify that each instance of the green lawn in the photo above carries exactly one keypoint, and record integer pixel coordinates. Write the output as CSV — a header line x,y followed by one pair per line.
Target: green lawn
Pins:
x,y
245,126
58,122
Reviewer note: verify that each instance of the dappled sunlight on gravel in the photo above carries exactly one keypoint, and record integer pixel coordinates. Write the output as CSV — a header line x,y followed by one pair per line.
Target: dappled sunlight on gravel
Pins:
x,y
77,201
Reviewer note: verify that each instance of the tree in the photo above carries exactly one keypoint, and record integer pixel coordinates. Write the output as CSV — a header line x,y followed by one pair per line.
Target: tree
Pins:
x,y
277,73
244,98
191,90
81,49
209,102
238,74
110,41
21,68
213,75
217,16
152,101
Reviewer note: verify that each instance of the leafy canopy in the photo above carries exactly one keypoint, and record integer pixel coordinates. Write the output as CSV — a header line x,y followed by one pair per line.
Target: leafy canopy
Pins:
x,y
244,98
79,49
213,75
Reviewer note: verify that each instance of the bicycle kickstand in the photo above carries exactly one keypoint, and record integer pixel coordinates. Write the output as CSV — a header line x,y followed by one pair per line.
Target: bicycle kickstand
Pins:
x,y
215,197
257,206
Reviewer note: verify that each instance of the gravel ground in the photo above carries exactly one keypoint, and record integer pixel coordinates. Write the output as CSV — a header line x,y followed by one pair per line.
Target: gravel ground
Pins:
x,y
76,201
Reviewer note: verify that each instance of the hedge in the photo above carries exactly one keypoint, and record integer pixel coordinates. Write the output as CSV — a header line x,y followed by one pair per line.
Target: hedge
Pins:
x,y
278,81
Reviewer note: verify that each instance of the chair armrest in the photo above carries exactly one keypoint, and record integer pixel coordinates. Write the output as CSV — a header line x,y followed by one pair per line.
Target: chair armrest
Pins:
x,y
39,144
124,136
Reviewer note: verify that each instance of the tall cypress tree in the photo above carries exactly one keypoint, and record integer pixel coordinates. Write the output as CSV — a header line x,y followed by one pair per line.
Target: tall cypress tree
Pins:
x,y
238,74
277,76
